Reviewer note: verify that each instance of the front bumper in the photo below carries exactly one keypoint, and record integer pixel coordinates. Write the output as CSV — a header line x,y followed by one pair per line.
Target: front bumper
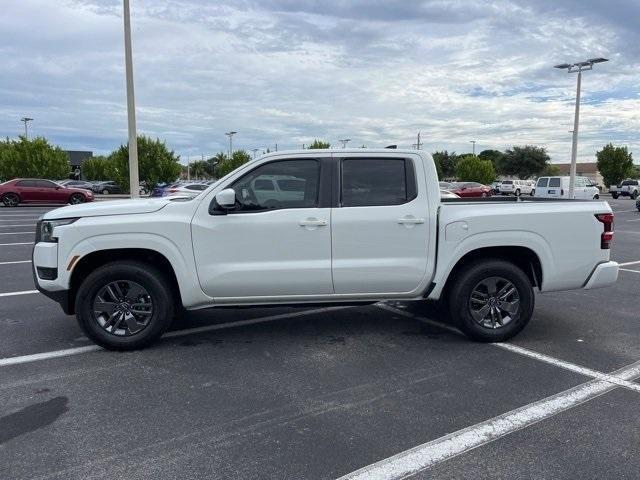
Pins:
x,y
603,275
46,256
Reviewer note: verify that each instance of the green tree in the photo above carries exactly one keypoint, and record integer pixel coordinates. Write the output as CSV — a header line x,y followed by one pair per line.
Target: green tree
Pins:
x,y
156,163
319,144
34,158
550,170
198,169
212,164
445,163
523,162
97,168
470,168
494,156
615,164
239,158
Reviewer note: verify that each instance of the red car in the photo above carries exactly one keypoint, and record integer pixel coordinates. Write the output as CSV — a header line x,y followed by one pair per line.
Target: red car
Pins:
x,y
471,189
35,190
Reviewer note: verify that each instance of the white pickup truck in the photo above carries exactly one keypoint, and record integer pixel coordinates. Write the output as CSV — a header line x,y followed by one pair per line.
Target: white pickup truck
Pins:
x,y
341,226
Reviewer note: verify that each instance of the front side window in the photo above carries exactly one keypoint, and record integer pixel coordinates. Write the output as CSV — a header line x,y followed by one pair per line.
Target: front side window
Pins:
x,y
542,182
45,184
256,191
554,182
369,182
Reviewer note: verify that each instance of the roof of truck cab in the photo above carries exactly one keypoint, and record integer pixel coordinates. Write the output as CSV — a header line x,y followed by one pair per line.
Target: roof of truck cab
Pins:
x,y
340,151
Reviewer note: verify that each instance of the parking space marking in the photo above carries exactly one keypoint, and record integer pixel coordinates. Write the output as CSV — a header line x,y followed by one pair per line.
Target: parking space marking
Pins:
x,y
629,263
15,261
629,270
428,454
23,292
587,372
4,362
15,233
18,243
627,231
23,225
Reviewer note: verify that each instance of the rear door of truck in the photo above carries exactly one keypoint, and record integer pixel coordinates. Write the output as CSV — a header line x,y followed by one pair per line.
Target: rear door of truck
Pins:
x,y
380,227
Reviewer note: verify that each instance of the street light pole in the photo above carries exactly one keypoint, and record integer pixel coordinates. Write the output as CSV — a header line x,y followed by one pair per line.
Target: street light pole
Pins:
x,y
230,135
26,120
134,182
474,147
572,68
344,142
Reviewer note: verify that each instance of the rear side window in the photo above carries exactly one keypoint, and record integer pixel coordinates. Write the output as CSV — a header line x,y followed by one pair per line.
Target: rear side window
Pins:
x,y
263,184
507,182
542,182
26,183
554,182
45,184
377,181
196,187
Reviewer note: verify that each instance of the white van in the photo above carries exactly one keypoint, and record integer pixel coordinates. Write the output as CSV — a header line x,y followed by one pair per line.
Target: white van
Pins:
x,y
558,187
516,187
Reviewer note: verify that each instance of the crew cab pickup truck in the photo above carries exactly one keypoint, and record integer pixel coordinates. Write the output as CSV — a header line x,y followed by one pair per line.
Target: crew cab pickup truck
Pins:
x,y
340,226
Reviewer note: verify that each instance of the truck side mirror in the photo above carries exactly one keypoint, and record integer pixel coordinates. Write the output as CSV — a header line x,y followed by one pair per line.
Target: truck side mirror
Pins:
x,y
226,198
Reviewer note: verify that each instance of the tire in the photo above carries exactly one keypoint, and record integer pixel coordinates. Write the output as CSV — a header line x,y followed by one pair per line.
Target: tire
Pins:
x,y
533,192
470,281
517,192
11,199
484,194
614,196
128,276
105,192
76,198
634,195
596,197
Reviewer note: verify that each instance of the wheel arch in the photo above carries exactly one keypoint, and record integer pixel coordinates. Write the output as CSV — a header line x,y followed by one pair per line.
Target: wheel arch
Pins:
x,y
98,258
522,256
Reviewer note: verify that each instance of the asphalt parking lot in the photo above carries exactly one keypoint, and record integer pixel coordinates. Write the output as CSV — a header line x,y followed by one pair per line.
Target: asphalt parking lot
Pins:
x,y
380,391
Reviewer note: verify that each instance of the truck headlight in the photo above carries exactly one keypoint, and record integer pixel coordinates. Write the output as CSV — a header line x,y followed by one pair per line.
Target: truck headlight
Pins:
x,y
44,229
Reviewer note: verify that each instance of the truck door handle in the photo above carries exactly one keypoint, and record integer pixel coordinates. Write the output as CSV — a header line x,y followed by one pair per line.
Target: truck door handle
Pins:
x,y
313,222
411,220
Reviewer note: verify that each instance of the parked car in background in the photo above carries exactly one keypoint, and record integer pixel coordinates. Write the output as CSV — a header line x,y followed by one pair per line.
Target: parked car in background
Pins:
x,y
445,185
626,188
516,187
558,187
638,204
495,187
447,194
34,190
471,189
106,188
76,184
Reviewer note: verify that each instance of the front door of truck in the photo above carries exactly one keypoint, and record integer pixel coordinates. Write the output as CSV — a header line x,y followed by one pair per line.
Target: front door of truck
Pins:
x,y
276,242
380,230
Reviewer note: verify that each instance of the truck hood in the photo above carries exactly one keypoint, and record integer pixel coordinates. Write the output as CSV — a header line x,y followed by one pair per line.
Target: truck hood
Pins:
x,y
109,207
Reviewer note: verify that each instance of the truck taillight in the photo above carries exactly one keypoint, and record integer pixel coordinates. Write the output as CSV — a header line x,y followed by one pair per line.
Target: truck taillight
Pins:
x,y
607,236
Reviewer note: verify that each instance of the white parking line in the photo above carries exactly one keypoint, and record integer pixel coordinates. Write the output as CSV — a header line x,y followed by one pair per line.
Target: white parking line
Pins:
x,y
22,225
19,216
23,292
177,333
428,454
15,233
15,261
19,243
627,231
625,264
629,270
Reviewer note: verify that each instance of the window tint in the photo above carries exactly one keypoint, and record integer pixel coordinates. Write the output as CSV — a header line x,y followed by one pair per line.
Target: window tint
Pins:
x,y
472,185
368,182
554,182
289,185
263,184
45,184
630,182
26,183
305,173
542,182
508,182
196,187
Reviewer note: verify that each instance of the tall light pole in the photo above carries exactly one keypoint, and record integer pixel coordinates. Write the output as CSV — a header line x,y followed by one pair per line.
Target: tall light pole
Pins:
x,y
255,150
134,182
418,143
26,120
474,147
230,135
572,68
344,142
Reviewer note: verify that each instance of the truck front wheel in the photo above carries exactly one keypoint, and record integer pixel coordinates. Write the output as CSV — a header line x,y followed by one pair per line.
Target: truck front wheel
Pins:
x,y
124,305
615,196
491,300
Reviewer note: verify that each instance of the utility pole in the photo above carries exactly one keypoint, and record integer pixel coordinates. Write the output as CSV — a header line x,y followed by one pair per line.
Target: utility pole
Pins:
x,y
26,120
230,135
134,179
474,147
254,152
276,147
572,68
344,142
418,144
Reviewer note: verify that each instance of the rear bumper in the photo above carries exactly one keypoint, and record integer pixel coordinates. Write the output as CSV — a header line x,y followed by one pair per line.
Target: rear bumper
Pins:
x,y
603,275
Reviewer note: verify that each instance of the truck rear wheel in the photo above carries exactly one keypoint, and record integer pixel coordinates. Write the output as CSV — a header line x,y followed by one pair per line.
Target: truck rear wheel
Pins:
x,y
491,300
614,195
124,305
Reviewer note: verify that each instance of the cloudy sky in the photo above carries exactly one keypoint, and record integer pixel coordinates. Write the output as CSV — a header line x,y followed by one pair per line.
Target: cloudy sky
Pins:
x,y
288,71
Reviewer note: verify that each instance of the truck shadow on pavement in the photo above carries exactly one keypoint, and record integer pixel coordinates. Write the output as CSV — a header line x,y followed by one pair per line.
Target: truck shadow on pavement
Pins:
x,y
32,418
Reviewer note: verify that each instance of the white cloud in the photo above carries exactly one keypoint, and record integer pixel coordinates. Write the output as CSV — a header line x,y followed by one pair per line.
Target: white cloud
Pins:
x,y
290,71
